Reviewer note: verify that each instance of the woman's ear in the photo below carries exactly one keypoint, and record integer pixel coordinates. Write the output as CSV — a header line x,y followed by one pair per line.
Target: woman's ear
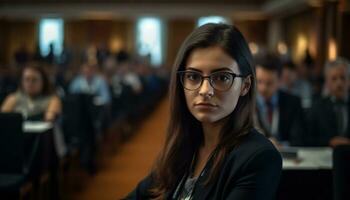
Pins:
x,y
247,82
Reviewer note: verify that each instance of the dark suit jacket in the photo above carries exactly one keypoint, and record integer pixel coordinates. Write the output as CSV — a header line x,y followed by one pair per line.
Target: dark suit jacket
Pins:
x,y
291,123
251,171
322,122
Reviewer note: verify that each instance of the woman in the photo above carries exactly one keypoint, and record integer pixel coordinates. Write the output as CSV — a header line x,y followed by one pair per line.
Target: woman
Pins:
x,y
211,149
34,97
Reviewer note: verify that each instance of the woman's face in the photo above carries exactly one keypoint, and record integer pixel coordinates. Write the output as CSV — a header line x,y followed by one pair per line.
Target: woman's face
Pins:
x,y
208,105
32,82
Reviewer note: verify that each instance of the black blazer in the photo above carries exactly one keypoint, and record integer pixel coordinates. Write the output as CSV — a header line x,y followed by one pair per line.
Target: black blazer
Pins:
x,y
291,122
322,122
251,171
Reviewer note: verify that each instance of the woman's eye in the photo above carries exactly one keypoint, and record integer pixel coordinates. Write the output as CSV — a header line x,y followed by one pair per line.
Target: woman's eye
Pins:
x,y
192,77
222,78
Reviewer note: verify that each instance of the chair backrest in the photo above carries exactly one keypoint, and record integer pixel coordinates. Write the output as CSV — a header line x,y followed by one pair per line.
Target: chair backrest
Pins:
x,y
11,143
76,118
72,118
341,172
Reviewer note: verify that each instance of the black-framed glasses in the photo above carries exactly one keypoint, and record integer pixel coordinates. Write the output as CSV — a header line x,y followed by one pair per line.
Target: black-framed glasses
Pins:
x,y
221,81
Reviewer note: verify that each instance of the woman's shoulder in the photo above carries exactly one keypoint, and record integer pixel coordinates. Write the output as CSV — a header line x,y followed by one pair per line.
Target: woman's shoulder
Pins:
x,y
253,166
9,102
142,189
252,145
13,97
256,139
17,94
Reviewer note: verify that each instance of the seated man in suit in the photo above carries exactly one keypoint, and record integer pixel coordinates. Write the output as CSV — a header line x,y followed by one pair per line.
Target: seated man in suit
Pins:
x,y
329,117
279,114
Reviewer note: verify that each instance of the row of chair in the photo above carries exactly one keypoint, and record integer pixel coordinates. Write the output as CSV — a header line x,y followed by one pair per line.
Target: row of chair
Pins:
x,y
27,159
30,167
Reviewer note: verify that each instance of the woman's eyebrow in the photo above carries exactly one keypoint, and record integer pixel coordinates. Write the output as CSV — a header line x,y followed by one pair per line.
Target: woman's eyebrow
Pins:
x,y
193,69
215,70
222,69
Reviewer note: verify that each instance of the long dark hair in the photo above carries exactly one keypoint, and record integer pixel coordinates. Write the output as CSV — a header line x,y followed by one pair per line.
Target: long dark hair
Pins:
x,y
184,134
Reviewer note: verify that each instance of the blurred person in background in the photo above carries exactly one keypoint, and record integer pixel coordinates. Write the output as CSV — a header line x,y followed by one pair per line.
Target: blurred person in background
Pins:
x,y
132,78
212,150
329,117
292,83
89,55
35,96
50,58
65,59
91,82
279,114
102,53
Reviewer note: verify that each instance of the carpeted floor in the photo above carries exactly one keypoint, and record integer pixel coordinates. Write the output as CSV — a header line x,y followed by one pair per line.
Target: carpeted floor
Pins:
x,y
122,170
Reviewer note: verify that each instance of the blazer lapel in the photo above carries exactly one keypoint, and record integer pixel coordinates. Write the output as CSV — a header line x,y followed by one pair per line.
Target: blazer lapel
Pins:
x,y
202,191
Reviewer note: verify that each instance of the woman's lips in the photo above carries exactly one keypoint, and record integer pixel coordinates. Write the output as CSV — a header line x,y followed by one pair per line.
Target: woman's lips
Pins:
x,y
205,106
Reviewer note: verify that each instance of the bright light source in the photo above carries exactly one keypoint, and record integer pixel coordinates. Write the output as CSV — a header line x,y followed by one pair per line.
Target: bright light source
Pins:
x,y
301,47
149,39
51,32
116,44
332,49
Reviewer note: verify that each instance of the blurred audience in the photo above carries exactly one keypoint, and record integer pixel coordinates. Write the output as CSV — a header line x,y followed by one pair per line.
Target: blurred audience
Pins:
x,y
35,96
296,85
279,114
91,82
132,79
329,116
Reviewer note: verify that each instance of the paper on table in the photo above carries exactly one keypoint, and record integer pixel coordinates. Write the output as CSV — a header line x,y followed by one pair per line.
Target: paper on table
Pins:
x,y
310,158
36,127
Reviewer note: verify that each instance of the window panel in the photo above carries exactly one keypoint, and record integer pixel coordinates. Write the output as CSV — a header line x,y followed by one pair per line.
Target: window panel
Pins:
x,y
51,32
149,39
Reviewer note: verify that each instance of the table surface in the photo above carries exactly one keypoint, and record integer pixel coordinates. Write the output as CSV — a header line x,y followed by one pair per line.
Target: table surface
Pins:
x,y
310,158
36,127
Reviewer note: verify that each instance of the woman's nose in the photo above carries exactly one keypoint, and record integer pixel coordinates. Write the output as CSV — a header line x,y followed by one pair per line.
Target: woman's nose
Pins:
x,y
206,89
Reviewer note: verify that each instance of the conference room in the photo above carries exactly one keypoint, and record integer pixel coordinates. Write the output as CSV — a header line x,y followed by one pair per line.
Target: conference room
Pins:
x,y
165,99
